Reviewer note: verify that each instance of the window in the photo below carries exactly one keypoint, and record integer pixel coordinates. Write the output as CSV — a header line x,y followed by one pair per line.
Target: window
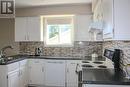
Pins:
x,y
58,30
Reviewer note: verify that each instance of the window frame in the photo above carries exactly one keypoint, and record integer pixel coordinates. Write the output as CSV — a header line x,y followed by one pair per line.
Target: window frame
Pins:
x,y
44,18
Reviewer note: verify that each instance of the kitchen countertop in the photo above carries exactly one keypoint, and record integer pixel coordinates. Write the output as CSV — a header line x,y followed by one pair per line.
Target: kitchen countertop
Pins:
x,y
104,76
17,58
90,75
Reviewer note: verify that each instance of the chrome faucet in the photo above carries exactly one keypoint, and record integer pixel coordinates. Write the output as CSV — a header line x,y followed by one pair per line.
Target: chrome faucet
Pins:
x,y
2,54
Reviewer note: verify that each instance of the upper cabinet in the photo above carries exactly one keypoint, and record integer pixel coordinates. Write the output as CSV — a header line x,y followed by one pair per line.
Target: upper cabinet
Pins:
x,y
116,17
81,27
28,29
97,10
108,18
96,26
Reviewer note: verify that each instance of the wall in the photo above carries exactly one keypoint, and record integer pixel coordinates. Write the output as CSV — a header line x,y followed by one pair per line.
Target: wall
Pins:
x,y
7,35
55,10
80,49
83,18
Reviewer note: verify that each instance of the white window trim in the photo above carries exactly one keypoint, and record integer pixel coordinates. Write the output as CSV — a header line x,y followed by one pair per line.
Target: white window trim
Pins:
x,y
45,31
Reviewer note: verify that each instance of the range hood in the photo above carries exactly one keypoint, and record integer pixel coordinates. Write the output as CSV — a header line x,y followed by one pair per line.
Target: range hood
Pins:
x,y
96,26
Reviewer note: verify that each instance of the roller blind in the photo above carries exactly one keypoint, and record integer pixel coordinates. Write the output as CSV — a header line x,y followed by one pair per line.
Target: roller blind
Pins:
x,y
58,20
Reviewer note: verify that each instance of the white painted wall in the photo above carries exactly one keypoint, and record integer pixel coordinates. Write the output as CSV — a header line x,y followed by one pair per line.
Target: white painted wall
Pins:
x,y
7,35
55,10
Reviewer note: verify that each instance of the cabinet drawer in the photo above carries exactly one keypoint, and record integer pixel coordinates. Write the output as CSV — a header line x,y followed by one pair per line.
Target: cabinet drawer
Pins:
x,y
36,61
13,66
23,63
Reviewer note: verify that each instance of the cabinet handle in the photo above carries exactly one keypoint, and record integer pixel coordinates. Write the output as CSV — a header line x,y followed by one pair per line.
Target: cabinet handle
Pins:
x,y
107,33
55,62
42,69
36,62
67,70
27,37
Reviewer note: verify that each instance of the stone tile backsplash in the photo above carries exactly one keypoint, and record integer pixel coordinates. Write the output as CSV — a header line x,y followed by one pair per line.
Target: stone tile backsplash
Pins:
x,y
80,49
123,45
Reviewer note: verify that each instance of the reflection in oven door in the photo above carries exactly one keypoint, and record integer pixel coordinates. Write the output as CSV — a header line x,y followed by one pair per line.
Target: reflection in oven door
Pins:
x,y
80,79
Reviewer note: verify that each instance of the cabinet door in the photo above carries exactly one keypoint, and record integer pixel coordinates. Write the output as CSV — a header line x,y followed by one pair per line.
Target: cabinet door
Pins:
x,y
55,73
82,23
72,75
36,73
23,77
94,3
34,29
13,79
122,19
20,29
108,19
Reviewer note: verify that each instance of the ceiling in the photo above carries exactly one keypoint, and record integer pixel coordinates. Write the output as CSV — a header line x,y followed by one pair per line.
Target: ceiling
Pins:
x,y
33,3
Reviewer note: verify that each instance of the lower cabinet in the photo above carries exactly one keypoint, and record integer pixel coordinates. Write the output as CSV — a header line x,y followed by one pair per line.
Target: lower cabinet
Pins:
x,y
13,79
17,74
36,71
55,73
23,77
40,72
72,69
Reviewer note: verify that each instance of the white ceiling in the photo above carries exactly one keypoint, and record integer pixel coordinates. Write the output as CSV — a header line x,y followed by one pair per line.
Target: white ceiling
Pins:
x,y
32,3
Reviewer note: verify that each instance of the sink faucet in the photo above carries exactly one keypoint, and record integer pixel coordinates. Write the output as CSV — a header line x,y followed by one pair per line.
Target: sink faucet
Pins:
x,y
2,54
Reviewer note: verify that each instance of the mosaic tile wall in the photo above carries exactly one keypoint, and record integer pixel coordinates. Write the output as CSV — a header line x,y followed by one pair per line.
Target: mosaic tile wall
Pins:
x,y
80,49
123,45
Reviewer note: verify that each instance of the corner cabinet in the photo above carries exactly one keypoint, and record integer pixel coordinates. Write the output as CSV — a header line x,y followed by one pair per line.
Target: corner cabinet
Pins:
x,y
28,29
116,16
13,79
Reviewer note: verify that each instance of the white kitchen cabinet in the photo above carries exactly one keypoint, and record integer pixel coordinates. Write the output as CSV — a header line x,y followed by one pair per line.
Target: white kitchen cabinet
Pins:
x,y
36,71
55,73
97,11
21,29
82,23
13,79
23,77
28,29
72,72
23,74
94,3
94,85
108,18
117,20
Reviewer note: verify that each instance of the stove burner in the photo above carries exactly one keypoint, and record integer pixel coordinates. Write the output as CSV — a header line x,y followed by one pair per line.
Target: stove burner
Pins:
x,y
102,66
85,62
87,65
98,62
